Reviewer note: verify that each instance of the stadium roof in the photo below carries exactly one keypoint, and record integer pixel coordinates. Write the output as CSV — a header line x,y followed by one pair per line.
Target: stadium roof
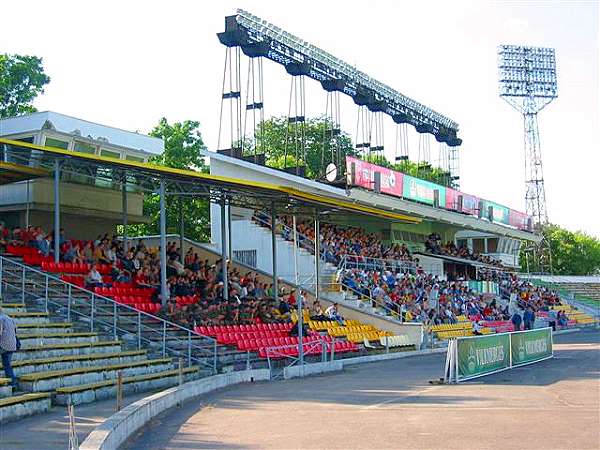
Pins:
x,y
186,183
11,173
78,127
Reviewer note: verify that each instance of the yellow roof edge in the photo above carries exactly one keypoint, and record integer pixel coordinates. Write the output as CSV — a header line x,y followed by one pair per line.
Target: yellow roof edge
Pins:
x,y
236,181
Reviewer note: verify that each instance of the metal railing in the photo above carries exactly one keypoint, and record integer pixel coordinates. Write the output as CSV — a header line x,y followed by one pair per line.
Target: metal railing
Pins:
x,y
105,315
377,264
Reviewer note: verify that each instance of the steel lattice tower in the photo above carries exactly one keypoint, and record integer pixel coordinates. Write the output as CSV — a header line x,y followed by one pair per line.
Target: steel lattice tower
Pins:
x,y
527,77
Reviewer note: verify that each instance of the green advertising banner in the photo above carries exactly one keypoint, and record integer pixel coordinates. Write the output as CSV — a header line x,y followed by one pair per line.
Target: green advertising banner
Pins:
x,y
531,346
482,355
422,191
501,213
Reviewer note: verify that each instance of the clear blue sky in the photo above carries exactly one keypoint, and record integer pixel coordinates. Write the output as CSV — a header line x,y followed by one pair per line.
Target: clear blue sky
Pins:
x,y
129,63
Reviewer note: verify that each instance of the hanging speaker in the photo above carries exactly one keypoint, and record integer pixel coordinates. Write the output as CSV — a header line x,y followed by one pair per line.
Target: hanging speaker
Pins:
x,y
459,204
377,181
480,209
491,213
353,174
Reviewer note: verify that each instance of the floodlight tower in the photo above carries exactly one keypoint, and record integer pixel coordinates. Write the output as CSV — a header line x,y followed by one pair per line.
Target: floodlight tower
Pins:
x,y
527,77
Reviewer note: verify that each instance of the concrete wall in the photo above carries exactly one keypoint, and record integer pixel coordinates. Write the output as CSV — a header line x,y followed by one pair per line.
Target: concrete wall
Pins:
x,y
312,369
120,426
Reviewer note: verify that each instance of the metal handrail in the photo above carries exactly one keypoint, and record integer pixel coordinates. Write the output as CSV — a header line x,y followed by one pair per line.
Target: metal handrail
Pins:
x,y
113,307
371,263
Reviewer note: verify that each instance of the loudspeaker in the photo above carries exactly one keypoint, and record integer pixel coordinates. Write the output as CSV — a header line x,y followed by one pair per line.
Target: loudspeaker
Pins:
x,y
377,181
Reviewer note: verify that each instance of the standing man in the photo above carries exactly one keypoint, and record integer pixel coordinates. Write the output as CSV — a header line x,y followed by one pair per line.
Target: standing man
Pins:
x,y
516,320
528,318
8,345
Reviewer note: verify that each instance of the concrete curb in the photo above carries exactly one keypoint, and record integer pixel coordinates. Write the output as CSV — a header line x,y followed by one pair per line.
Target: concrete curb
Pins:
x,y
312,369
120,426
567,331
391,356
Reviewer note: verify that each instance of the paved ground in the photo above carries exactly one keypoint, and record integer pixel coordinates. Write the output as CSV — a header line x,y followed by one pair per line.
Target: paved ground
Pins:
x,y
554,404
50,431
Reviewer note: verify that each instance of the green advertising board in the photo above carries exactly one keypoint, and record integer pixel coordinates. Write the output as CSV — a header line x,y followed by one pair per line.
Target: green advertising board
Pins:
x,y
422,191
501,213
531,346
482,355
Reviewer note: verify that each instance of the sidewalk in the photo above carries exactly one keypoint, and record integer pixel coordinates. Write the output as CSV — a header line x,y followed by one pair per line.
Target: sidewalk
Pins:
x,y
50,431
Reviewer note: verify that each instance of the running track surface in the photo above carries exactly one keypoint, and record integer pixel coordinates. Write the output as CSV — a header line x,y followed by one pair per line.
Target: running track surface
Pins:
x,y
554,404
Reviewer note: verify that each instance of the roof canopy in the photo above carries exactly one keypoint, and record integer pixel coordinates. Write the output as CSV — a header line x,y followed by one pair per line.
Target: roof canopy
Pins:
x,y
148,177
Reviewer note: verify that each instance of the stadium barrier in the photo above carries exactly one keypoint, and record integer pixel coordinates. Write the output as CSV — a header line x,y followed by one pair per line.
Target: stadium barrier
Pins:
x,y
476,356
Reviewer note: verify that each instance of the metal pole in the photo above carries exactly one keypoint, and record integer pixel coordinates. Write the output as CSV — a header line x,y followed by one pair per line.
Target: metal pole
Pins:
x,y
27,207
163,246
274,252
124,211
1,259
300,330
92,312
56,211
181,230
295,250
224,252
23,284
317,255
229,240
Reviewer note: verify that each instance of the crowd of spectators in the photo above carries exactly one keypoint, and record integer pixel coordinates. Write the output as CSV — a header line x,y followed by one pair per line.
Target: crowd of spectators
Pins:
x,y
434,245
337,242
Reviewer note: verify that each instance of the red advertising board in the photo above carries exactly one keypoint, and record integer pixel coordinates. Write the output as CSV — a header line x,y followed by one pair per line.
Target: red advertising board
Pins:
x,y
470,203
391,181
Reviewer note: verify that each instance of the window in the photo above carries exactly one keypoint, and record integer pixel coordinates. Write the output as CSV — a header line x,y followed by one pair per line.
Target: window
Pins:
x,y
134,158
83,147
461,243
110,154
492,245
56,143
478,245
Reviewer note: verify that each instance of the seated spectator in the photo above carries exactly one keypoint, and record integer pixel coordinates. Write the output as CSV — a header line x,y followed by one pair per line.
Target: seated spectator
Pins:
x,y
94,278
332,313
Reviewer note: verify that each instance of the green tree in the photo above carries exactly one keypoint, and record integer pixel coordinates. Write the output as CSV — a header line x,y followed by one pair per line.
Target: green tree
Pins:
x,y
22,79
183,147
573,252
281,142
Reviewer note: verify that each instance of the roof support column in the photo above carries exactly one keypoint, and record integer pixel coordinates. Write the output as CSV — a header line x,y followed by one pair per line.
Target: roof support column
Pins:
x,y
164,292
224,252
124,212
56,211
317,254
229,240
181,231
295,250
274,252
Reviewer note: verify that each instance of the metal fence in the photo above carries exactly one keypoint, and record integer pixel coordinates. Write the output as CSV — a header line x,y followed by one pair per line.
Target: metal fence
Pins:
x,y
106,316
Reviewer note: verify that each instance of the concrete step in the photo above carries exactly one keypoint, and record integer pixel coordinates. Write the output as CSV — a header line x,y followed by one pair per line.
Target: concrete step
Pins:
x,y
49,381
5,388
44,328
30,317
19,406
88,393
32,339
58,363
11,308
64,349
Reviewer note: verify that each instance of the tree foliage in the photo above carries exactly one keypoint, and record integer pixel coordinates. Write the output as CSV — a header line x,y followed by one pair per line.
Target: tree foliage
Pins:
x,y
281,142
183,147
573,252
422,170
22,79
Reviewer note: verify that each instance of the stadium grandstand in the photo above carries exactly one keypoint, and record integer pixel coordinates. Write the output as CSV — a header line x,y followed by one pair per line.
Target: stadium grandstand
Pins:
x,y
97,312
359,262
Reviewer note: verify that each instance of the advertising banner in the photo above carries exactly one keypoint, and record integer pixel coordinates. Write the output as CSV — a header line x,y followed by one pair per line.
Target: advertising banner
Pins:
x,y
531,346
422,191
500,212
518,219
482,355
470,202
391,181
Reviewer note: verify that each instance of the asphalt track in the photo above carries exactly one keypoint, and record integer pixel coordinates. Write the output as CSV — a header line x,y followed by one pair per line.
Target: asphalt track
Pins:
x,y
554,404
